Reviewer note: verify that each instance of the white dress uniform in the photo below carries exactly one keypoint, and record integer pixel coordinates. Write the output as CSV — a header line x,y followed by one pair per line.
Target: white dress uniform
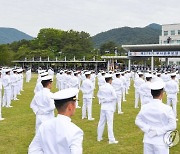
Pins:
x,y
1,98
171,89
7,91
124,86
75,84
137,83
155,119
145,93
118,87
14,85
87,89
101,81
43,106
107,97
58,135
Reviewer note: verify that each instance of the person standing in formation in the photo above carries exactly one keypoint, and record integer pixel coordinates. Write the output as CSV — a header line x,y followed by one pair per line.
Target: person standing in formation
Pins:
x,y
87,88
155,119
172,89
107,97
124,87
42,103
7,89
59,135
145,91
75,84
118,86
1,118
137,83
101,79
14,85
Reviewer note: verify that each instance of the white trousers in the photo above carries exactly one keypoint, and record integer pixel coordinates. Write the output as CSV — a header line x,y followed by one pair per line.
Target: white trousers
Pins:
x,y
173,102
155,149
119,102
124,94
87,105
106,116
137,97
14,92
7,97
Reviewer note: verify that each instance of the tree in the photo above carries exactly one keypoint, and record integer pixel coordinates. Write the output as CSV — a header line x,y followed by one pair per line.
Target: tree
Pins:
x,y
6,55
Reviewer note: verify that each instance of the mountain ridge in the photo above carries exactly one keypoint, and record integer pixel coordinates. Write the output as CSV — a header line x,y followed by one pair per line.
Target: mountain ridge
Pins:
x,y
9,35
128,35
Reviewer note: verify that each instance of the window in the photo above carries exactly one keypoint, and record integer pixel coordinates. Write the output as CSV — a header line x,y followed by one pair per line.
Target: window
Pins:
x,y
172,32
165,42
178,41
178,32
165,33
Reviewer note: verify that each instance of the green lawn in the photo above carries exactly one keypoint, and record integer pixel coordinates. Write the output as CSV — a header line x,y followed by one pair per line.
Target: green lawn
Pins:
x,y
17,130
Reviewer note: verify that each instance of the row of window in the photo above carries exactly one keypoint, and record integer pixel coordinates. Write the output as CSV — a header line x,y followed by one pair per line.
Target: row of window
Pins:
x,y
172,32
172,42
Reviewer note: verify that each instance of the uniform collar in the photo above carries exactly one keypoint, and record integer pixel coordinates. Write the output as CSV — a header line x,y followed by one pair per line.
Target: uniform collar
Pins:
x,y
157,100
63,117
47,89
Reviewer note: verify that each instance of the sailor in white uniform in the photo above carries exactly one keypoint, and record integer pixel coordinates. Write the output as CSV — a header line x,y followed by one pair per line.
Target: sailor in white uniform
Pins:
x,y
172,89
118,86
87,89
59,135
145,90
75,84
137,83
107,97
7,89
155,119
42,103
1,118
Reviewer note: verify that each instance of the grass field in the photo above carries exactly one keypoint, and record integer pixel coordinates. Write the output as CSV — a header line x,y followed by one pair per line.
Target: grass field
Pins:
x,y
17,130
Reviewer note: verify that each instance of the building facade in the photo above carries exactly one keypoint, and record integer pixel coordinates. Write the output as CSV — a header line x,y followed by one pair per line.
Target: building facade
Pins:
x,y
170,35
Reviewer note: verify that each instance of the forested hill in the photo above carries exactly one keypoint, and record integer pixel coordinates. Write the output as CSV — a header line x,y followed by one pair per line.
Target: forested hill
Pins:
x,y
9,35
127,35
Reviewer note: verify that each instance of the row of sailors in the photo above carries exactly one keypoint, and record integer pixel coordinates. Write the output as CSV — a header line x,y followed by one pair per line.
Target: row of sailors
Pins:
x,y
143,92
62,130
43,106
109,95
12,82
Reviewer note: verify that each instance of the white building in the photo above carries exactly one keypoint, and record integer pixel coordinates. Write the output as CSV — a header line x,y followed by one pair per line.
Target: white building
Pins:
x,y
170,35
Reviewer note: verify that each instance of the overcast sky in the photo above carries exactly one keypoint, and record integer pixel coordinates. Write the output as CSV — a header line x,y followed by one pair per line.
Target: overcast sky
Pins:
x,y
92,16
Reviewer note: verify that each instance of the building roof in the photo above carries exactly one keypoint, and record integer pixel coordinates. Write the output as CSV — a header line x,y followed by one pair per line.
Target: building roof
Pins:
x,y
114,57
150,47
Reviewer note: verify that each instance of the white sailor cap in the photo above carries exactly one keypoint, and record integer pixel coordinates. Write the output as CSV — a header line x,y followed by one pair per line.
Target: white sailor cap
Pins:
x,y
140,73
44,74
173,74
158,73
7,70
46,78
108,76
157,85
87,73
66,94
148,75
